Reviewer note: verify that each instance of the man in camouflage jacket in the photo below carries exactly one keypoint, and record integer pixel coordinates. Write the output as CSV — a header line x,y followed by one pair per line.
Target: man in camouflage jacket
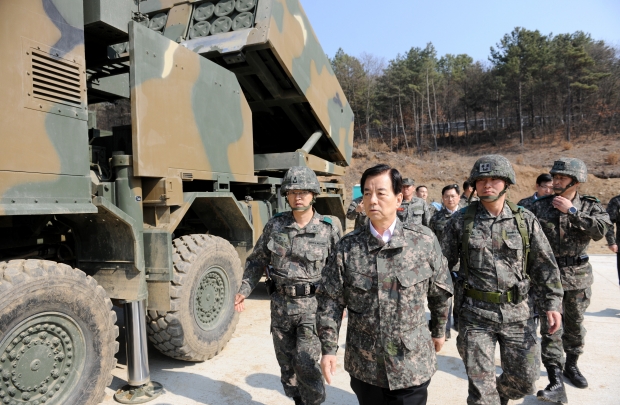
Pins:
x,y
570,221
356,213
613,209
413,210
296,256
494,283
383,277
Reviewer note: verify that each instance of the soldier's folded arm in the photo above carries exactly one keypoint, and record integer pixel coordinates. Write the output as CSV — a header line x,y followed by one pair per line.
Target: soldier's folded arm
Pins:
x,y
594,224
256,262
542,268
330,302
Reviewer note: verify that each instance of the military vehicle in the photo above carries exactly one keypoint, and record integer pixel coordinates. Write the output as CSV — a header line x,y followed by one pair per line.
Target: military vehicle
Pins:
x,y
156,216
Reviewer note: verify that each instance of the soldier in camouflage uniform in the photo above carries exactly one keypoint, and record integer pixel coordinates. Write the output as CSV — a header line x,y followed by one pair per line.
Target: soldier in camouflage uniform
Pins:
x,y
613,209
383,274
450,200
295,245
570,221
422,192
468,190
501,248
412,209
356,213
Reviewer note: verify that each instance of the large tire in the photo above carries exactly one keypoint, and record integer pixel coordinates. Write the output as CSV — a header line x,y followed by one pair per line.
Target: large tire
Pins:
x,y
57,335
207,275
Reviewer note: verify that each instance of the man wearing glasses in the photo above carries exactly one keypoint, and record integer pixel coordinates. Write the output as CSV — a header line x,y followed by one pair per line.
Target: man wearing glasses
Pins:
x,y
294,247
544,187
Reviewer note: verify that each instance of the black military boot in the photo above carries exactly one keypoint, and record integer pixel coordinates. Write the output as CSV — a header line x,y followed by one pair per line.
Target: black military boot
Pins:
x,y
555,391
571,371
298,401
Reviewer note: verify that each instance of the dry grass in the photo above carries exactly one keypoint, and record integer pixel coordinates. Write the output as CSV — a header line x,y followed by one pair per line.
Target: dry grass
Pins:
x,y
520,160
567,146
612,158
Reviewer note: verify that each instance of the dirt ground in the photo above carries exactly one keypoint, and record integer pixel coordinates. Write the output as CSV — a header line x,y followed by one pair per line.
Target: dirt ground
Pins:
x,y
438,169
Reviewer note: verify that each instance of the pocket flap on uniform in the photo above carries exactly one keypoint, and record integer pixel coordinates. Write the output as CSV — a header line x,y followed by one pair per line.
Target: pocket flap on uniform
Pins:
x,y
408,278
514,243
414,338
361,281
418,212
476,243
276,248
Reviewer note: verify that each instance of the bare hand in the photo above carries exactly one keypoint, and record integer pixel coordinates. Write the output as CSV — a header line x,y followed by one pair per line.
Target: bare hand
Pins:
x,y
328,367
438,342
360,207
613,248
239,302
554,318
562,203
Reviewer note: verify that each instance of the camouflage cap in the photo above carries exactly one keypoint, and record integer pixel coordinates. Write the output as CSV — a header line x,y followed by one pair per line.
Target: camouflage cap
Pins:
x,y
495,166
300,178
571,167
408,181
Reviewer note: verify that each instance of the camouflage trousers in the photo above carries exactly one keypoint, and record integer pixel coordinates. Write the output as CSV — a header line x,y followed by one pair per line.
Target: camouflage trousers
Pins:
x,y
298,350
519,351
570,338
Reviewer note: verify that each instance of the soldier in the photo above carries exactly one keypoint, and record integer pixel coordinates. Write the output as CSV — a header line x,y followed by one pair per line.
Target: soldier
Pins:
x,y
422,192
383,274
413,209
295,246
356,212
613,209
544,187
501,248
450,199
468,190
570,221
408,190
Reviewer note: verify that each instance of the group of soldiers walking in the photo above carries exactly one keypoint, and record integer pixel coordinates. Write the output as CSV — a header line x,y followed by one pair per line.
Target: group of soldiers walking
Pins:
x,y
499,265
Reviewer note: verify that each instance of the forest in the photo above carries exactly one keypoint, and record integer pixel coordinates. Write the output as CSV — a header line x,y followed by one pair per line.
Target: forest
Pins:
x,y
533,86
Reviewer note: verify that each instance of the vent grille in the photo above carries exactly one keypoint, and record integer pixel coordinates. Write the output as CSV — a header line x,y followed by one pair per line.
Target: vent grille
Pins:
x,y
55,80
187,176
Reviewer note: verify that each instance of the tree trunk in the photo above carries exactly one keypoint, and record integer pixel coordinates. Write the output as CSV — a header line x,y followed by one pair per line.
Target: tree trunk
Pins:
x,y
520,117
430,117
568,113
402,121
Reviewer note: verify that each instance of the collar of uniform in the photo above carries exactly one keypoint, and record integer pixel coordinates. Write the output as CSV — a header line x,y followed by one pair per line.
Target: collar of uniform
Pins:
x,y
396,241
390,230
311,227
483,213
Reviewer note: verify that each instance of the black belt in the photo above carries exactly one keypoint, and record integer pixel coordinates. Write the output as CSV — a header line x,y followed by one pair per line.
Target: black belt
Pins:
x,y
566,261
299,290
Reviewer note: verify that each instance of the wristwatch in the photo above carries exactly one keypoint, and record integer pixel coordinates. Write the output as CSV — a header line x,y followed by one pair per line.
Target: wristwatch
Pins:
x,y
572,210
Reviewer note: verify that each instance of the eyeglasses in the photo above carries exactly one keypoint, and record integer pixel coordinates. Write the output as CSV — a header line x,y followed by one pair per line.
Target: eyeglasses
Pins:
x,y
299,193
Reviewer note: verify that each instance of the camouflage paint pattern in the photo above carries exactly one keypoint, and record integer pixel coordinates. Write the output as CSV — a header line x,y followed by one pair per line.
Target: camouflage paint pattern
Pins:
x,y
48,173
298,49
384,287
496,166
283,26
297,256
570,338
188,114
360,218
300,178
613,210
496,262
570,235
414,212
519,351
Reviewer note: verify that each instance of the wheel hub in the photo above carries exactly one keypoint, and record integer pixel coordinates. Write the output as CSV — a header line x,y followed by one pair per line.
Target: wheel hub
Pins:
x,y
41,360
210,298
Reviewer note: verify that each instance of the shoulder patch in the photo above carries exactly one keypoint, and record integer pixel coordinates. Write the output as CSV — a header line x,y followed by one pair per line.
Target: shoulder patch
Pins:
x,y
279,214
327,220
590,198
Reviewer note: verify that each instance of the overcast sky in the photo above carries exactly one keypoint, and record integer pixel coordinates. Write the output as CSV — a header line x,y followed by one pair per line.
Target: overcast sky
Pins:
x,y
388,27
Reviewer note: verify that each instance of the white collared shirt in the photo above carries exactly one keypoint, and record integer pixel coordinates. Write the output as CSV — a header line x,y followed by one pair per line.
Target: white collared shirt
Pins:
x,y
387,235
